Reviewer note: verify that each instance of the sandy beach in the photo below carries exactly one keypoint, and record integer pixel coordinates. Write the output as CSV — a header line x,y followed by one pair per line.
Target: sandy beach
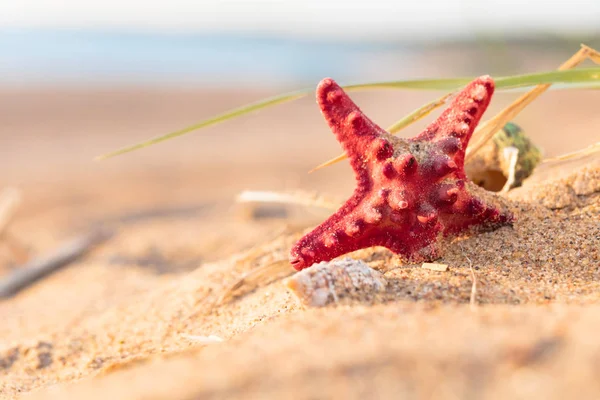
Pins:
x,y
131,319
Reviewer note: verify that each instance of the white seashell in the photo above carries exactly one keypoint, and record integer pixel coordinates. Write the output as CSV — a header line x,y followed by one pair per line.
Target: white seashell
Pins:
x,y
329,282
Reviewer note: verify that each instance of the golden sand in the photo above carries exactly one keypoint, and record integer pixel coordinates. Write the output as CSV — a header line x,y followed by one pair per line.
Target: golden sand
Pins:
x,y
121,323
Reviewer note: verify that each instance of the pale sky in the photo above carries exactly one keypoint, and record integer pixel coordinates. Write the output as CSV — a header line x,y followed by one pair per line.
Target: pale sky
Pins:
x,y
310,18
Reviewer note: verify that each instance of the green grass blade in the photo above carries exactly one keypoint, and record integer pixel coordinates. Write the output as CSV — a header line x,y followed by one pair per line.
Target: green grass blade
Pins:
x,y
236,112
420,84
577,78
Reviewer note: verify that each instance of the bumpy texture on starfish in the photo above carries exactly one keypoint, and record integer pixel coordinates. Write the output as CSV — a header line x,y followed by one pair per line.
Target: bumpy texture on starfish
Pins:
x,y
409,191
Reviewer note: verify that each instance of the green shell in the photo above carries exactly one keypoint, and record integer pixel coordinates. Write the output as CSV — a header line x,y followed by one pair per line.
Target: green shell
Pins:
x,y
491,166
511,135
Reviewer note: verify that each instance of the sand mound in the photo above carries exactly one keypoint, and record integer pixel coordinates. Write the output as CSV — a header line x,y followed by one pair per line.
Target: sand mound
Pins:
x,y
418,338
134,319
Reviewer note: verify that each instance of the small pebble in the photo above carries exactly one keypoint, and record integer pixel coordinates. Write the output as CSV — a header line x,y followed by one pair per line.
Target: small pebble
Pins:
x,y
435,267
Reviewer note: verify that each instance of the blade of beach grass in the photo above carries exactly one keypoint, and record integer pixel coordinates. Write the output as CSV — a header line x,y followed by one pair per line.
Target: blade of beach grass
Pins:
x,y
591,149
489,128
236,112
581,78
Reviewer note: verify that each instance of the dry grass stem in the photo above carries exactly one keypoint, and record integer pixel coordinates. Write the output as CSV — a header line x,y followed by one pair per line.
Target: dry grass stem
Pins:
x,y
299,197
489,128
594,148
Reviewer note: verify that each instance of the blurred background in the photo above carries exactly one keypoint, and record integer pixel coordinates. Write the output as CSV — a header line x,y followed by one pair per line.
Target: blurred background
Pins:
x,y
274,45
220,43
81,78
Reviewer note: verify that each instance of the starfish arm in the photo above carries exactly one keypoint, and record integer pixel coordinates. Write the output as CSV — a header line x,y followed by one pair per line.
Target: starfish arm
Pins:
x,y
335,236
474,207
361,138
344,233
365,220
453,129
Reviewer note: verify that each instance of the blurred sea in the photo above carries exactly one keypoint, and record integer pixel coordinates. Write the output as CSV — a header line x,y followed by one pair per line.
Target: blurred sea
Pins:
x,y
42,57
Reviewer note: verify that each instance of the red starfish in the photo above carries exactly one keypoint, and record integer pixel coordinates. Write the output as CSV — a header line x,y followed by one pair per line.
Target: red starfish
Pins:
x,y
409,191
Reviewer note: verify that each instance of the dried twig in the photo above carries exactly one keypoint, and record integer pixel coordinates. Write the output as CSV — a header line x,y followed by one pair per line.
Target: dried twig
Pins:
x,y
33,271
298,197
591,149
